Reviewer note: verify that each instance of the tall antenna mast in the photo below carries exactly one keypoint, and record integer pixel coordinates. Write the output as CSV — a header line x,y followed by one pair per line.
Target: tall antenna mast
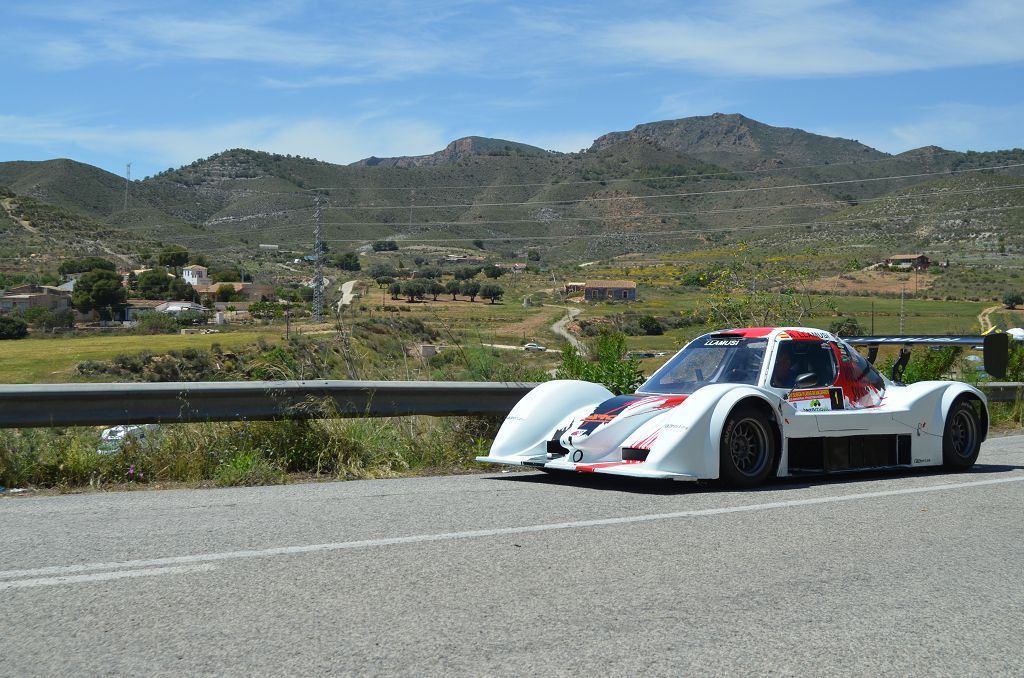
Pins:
x,y
318,267
127,182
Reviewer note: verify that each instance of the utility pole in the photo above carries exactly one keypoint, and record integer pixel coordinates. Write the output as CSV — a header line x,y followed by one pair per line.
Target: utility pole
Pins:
x,y
412,202
127,182
902,295
318,267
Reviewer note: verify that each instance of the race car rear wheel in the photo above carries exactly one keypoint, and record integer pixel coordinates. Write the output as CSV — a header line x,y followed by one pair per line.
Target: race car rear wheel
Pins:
x,y
961,440
747,448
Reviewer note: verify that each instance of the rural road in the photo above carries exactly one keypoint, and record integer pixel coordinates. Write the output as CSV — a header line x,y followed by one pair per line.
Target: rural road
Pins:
x,y
522,573
561,329
347,295
983,318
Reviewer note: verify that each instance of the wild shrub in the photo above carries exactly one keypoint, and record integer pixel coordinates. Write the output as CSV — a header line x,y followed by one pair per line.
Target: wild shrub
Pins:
x,y
13,328
609,366
248,468
53,458
246,453
133,363
47,320
930,364
481,363
154,322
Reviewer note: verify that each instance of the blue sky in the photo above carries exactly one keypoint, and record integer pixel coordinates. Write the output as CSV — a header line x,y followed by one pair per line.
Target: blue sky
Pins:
x,y
162,84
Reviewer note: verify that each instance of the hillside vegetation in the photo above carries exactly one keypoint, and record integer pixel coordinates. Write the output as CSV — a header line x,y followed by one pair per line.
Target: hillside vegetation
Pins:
x,y
694,183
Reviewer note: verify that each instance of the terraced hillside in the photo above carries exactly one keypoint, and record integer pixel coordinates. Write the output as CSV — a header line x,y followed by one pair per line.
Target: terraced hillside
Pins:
x,y
681,184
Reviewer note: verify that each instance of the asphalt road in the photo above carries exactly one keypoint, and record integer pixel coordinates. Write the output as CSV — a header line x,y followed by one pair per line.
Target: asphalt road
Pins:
x,y
522,573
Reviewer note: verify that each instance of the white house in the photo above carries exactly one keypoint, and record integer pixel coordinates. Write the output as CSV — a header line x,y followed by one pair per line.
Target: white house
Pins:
x,y
196,275
176,307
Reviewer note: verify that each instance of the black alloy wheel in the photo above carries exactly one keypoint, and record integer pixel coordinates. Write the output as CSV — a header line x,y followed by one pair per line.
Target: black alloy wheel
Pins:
x,y
961,440
747,449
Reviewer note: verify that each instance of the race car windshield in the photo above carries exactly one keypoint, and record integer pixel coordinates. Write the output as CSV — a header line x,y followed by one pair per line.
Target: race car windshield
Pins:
x,y
709,360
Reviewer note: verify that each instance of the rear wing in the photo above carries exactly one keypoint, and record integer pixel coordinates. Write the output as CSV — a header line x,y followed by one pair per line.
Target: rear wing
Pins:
x,y
995,349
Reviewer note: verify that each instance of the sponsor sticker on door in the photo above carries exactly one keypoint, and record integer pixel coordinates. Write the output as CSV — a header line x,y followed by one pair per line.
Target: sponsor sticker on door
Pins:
x,y
811,400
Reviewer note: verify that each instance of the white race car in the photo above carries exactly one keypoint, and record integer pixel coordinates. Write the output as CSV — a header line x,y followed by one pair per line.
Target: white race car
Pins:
x,y
742,405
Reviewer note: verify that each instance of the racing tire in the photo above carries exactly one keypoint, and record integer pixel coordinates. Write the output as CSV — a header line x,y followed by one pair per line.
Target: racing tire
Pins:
x,y
748,448
961,438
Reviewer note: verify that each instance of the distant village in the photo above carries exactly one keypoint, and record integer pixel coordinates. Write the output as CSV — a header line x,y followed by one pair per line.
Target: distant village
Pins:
x,y
216,301
224,301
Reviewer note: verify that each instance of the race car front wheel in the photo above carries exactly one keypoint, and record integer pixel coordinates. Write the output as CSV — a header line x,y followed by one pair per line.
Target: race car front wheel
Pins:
x,y
747,448
961,440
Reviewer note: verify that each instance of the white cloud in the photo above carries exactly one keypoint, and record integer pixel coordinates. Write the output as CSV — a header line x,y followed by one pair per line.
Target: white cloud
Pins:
x,y
809,38
314,82
685,104
355,54
955,126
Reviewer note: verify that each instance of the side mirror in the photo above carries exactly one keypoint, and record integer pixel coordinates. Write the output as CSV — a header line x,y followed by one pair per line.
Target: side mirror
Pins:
x,y
997,354
806,380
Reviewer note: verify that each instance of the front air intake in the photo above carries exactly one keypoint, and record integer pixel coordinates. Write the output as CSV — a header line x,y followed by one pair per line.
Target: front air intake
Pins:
x,y
555,449
634,454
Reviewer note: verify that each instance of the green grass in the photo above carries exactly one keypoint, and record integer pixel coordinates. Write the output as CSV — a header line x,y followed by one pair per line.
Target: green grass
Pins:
x,y
246,453
37,361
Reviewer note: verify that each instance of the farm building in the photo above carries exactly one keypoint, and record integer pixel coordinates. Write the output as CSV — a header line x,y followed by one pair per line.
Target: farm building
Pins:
x,y
29,297
918,262
572,288
601,290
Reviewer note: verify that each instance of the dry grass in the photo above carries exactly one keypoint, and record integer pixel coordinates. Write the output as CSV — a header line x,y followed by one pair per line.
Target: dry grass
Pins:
x,y
53,360
876,282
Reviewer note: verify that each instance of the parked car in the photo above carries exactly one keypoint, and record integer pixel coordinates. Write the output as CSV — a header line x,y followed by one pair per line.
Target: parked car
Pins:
x,y
743,405
534,347
113,438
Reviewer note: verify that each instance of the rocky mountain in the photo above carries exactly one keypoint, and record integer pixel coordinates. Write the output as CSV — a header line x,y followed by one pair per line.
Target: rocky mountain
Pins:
x,y
457,150
738,142
711,177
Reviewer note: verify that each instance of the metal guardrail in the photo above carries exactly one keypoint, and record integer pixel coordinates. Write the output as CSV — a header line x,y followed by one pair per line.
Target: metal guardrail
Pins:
x,y
1003,391
41,405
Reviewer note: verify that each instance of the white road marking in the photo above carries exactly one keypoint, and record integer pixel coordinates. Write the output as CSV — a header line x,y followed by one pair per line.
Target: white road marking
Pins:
x,y
493,532
104,576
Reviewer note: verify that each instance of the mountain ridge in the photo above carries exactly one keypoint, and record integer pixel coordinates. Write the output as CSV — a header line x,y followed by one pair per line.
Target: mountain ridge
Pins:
x,y
719,173
454,151
734,139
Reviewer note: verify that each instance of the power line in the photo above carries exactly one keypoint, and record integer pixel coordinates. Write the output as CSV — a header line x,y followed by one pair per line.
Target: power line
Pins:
x,y
689,194
749,189
762,170
703,230
730,210
411,206
246,217
692,231
215,235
